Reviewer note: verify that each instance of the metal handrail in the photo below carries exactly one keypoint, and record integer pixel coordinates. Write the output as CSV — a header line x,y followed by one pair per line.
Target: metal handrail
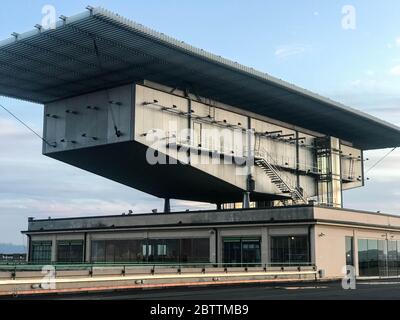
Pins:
x,y
89,266
274,166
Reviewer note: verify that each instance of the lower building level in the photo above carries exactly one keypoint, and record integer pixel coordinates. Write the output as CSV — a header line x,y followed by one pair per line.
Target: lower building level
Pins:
x,y
327,238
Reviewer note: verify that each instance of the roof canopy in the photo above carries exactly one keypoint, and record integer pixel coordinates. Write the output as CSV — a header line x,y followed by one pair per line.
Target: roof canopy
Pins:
x,y
98,49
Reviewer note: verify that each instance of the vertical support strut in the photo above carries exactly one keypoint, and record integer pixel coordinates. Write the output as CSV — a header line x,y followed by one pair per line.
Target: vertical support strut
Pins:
x,y
249,163
167,205
246,200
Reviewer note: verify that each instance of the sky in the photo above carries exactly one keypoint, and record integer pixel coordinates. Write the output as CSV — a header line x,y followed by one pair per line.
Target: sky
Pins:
x,y
349,56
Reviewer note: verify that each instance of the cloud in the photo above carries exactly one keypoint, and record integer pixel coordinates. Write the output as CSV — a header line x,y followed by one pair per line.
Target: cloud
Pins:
x,y
285,51
395,71
398,41
387,170
370,73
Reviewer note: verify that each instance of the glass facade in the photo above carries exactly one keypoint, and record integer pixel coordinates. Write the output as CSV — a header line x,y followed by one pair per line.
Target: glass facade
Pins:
x,y
242,251
151,250
329,167
70,251
378,258
41,252
288,250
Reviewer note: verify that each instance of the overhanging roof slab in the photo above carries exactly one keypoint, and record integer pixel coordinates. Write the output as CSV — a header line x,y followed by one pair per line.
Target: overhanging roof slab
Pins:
x,y
99,49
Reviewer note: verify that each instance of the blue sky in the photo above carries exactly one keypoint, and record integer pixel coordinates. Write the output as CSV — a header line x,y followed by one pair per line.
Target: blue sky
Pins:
x,y
302,42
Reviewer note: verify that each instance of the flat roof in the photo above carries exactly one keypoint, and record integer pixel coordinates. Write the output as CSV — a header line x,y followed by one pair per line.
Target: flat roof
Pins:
x,y
293,215
98,49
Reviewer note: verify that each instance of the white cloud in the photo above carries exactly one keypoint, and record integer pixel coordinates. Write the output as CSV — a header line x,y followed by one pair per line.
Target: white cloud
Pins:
x,y
285,51
370,73
398,41
395,71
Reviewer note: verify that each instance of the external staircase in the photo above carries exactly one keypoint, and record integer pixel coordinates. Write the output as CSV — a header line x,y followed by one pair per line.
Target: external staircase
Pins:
x,y
279,178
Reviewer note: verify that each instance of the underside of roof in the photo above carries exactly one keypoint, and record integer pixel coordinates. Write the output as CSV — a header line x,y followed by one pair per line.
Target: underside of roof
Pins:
x,y
98,49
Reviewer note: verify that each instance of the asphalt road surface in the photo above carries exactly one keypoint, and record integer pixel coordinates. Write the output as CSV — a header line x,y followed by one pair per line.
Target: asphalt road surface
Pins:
x,y
366,290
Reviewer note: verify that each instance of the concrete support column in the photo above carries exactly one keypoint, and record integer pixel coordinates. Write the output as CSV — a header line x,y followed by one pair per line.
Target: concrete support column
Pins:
x,y
246,200
29,248
167,205
54,249
213,246
265,247
88,248
313,245
219,248
355,253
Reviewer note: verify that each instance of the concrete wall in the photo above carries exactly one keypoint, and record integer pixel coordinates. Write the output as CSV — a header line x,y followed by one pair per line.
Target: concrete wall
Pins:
x,y
175,122
367,219
170,115
209,218
89,120
218,129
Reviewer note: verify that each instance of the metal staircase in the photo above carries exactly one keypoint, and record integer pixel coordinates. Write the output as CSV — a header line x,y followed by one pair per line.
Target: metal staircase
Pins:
x,y
266,162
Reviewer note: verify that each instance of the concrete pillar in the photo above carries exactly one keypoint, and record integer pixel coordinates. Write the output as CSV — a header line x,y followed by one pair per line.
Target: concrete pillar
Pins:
x,y
88,248
246,200
29,248
313,245
219,248
54,249
167,205
355,249
265,247
213,247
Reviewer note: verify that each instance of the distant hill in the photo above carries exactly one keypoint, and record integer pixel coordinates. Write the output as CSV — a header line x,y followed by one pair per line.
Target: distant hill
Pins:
x,y
8,248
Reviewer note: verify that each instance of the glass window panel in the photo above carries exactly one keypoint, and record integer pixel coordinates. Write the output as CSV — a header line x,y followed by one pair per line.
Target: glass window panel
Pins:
x,y
70,251
392,259
382,258
377,258
349,251
41,252
201,250
251,252
373,260
110,251
242,251
290,250
363,257
154,250
98,252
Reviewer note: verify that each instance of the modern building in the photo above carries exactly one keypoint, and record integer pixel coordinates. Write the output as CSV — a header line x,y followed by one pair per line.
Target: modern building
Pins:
x,y
304,235
153,113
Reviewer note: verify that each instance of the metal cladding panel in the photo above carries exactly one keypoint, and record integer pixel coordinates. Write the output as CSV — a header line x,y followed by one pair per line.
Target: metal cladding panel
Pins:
x,y
89,120
98,49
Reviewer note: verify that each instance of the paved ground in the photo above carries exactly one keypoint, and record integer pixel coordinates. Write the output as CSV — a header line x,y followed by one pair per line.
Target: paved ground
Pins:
x,y
374,289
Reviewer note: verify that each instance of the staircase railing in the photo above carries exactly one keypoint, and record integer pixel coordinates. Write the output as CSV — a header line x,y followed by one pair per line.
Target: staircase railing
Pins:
x,y
282,176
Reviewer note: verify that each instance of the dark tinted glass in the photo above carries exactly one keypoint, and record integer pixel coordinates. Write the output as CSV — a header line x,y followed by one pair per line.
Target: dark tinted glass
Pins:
x,y
41,252
70,251
152,250
289,250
